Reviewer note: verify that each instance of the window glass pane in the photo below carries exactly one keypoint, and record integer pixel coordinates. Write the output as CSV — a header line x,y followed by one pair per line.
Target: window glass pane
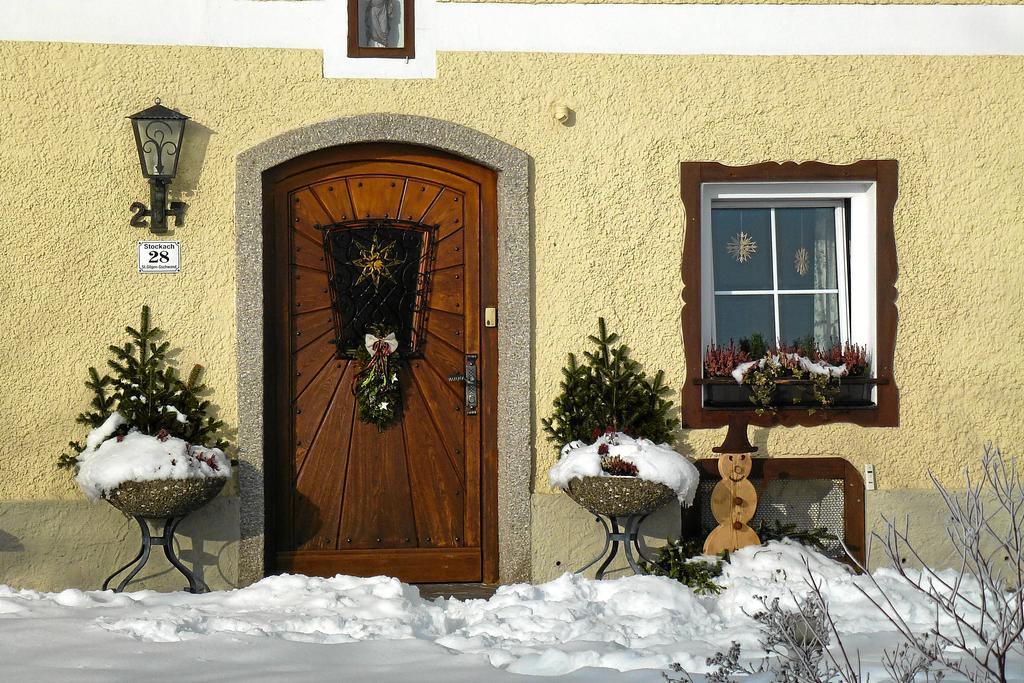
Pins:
x,y
804,314
806,239
739,316
380,23
742,244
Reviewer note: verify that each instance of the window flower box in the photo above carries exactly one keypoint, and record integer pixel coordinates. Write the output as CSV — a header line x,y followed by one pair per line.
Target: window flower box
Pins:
x,y
725,393
804,375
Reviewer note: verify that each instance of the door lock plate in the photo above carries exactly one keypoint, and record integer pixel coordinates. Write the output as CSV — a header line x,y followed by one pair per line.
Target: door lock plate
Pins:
x,y
468,378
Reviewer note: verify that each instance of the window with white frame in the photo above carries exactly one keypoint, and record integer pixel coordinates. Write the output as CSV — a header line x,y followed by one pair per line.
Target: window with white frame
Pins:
x,y
788,261
779,270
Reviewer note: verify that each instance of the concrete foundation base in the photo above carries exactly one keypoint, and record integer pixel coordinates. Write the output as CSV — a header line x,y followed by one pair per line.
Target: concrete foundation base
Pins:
x,y
566,536
53,545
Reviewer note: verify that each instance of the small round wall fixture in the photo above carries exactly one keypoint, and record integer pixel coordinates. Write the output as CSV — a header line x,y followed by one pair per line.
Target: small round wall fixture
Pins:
x,y
159,133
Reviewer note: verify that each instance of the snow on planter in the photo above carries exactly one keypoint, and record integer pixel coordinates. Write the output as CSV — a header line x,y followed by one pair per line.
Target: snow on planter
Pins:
x,y
108,461
805,363
654,462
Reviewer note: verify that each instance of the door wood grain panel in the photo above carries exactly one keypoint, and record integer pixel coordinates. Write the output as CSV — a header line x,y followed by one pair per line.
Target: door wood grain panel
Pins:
x,y
414,500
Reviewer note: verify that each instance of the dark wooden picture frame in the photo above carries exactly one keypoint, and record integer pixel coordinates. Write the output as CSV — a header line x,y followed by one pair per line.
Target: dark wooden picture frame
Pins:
x,y
408,31
764,470
885,412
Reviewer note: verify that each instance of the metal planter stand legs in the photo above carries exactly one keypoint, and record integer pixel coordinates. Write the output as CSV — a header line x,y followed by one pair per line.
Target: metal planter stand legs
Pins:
x,y
166,539
628,538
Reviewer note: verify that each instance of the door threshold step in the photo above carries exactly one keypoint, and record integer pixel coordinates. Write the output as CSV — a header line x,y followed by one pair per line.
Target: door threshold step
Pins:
x,y
459,591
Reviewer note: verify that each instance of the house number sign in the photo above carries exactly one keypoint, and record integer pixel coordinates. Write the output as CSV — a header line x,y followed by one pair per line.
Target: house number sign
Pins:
x,y
159,257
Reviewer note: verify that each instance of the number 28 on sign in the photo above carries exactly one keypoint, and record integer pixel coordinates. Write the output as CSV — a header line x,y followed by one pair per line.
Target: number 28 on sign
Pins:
x,y
159,257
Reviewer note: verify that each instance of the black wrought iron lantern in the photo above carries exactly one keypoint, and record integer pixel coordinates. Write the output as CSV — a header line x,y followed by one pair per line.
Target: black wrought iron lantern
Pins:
x,y
159,132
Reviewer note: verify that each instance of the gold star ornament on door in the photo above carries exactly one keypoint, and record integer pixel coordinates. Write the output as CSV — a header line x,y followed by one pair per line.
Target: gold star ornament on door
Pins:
x,y
375,262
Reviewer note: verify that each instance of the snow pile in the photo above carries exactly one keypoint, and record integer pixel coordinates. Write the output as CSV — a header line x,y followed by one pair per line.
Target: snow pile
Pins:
x,y
107,462
343,609
384,631
657,463
572,622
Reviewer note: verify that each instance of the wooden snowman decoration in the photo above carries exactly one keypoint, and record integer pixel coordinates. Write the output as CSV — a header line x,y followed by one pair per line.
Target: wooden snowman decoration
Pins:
x,y
734,499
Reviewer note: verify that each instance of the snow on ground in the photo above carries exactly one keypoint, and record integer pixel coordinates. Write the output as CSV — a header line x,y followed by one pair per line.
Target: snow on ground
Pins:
x,y
297,628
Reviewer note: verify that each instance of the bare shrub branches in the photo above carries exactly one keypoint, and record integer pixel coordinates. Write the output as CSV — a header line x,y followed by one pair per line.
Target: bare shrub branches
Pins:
x,y
978,605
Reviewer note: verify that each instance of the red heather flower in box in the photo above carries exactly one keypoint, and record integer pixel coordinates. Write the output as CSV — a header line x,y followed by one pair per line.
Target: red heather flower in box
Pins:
x,y
786,359
720,361
618,466
855,356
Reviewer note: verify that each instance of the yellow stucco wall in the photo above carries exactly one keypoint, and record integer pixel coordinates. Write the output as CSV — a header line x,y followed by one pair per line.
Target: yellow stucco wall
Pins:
x,y
608,216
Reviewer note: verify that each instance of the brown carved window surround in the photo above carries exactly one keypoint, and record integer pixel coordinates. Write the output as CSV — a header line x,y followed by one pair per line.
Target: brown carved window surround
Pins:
x,y
381,29
882,174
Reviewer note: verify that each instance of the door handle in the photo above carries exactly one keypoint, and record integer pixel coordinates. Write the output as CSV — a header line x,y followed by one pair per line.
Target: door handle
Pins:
x,y
468,378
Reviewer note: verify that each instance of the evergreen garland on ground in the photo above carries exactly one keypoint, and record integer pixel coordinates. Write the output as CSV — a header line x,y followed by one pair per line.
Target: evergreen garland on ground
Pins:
x,y
148,393
682,560
677,560
815,537
609,390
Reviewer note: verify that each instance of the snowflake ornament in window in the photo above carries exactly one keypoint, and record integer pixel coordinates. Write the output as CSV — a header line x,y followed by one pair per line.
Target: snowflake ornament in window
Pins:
x,y
801,262
741,247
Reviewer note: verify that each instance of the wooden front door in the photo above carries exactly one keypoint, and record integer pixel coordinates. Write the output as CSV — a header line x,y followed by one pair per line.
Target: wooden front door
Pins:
x,y
417,500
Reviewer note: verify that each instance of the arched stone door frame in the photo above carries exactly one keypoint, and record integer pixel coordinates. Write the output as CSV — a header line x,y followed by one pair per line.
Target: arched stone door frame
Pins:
x,y
514,315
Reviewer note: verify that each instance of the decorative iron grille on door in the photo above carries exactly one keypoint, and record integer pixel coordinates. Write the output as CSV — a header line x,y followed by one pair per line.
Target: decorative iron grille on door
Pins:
x,y
379,272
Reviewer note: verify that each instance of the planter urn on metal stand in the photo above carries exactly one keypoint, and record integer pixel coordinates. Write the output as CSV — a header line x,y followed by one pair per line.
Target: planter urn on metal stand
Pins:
x,y
166,501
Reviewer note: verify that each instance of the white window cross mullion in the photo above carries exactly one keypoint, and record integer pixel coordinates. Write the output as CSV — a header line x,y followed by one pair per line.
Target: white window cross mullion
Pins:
x,y
842,276
775,280
780,291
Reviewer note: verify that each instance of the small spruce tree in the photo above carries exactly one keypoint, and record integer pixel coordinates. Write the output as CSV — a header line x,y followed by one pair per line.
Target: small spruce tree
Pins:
x,y
609,390
148,393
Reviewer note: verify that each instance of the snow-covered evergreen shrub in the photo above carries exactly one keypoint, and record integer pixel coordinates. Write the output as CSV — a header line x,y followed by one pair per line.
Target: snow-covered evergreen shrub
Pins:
x,y
683,559
145,397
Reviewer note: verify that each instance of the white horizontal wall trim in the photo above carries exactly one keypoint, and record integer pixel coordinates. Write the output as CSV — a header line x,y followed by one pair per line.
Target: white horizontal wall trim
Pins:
x,y
215,23
735,29
505,27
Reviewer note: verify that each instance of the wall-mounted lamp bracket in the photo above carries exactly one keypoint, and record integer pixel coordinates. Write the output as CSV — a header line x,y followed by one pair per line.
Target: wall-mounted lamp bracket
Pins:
x,y
159,132
158,218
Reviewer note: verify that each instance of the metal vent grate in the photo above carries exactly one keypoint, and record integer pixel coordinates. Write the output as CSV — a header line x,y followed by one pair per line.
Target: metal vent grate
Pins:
x,y
806,492
807,503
